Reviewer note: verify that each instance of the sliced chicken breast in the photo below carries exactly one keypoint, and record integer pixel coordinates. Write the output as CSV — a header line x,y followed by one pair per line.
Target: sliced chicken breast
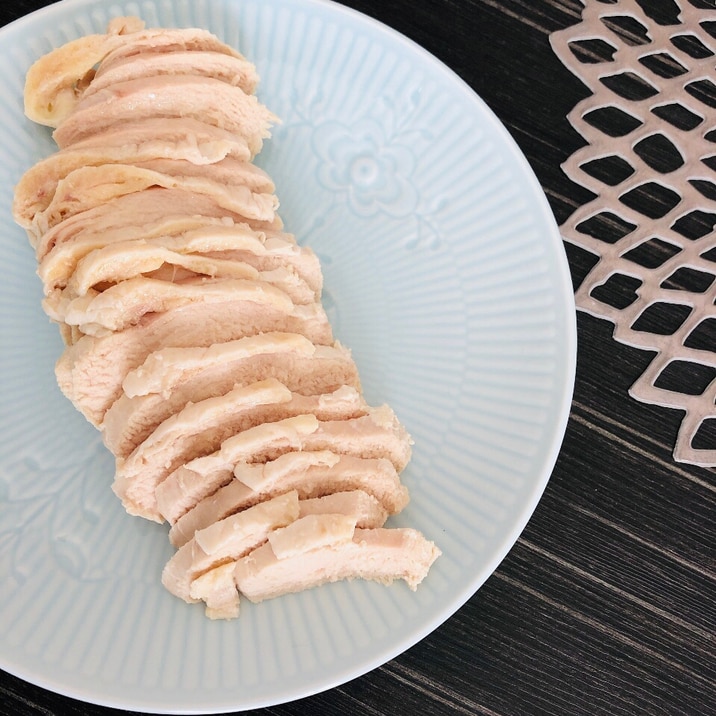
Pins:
x,y
311,474
239,192
367,511
236,71
170,378
91,370
202,98
195,335
91,258
125,260
168,138
216,587
382,555
125,303
200,428
147,214
227,542
375,435
55,83
171,139
166,40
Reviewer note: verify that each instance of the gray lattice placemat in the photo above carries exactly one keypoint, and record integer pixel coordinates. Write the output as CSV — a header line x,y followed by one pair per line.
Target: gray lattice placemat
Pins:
x,y
649,160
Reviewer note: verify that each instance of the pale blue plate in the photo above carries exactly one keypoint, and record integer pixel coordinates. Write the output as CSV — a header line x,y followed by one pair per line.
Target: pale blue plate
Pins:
x,y
444,273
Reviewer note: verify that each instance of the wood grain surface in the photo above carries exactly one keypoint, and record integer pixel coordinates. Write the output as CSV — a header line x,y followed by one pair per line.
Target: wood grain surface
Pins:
x,y
607,603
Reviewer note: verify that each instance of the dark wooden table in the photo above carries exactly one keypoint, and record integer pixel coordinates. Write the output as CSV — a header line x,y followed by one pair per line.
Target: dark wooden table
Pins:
x,y
606,604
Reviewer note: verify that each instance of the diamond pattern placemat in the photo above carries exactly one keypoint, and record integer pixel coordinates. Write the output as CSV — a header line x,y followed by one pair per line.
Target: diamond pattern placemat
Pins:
x,y
649,160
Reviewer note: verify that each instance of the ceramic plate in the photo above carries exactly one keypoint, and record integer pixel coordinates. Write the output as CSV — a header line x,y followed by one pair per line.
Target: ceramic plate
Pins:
x,y
444,272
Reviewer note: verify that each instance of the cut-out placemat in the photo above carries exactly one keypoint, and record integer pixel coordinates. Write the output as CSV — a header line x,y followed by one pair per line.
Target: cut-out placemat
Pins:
x,y
649,160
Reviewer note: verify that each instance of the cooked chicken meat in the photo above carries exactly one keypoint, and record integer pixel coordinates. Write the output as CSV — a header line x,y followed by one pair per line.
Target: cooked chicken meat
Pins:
x,y
200,428
196,337
374,435
171,378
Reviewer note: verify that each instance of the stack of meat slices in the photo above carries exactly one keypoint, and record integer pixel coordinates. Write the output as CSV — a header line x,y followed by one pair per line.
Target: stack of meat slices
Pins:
x,y
196,341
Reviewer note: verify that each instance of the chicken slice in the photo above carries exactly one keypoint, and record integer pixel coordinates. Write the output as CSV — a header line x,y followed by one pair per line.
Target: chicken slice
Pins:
x,y
167,138
92,257
172,139
242,190
202,98
312,474
375,435
327,516
367,511
217,589
311,532
51,83
146,214
168,40
55,82
200,428
227,542
383,555
170,378
233,70
90,371
125,303
124,260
